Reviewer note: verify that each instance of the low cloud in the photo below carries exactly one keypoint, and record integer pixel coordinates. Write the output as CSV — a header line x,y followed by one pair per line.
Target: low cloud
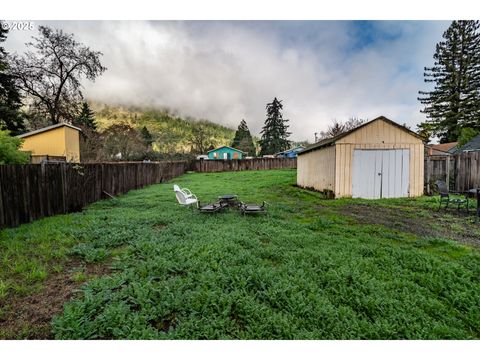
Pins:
x,y
226,71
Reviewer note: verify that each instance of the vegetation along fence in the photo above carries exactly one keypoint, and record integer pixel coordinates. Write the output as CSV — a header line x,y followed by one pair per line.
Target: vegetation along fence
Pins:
x,y
244,164
461,172
30,192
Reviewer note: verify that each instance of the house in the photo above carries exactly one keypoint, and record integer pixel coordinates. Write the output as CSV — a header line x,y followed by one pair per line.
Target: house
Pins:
x,y
225,153
290,153
378,159
472,145
441,149
56,140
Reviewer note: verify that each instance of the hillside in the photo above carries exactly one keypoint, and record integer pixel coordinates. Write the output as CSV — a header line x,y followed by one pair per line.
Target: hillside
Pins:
x,y
170,131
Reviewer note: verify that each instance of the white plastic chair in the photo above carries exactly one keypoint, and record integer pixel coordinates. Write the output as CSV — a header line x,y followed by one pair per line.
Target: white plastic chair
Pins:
x,y
185,196
187,192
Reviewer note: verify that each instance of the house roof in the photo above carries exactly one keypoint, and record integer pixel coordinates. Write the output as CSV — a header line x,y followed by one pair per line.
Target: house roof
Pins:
x,y
331,141
221,147
292,149
472,145
444,147
48,128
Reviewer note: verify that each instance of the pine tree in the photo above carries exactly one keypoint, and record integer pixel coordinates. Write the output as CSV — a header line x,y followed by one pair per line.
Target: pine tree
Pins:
x,y
243,139
10,102
454,103
274,133
86,119
146,136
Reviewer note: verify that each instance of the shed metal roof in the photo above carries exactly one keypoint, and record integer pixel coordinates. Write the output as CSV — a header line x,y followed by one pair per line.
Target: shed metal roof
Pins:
x,y
48,128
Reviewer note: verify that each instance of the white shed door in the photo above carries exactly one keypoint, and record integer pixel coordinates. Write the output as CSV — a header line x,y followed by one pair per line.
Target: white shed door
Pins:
x,y
380,174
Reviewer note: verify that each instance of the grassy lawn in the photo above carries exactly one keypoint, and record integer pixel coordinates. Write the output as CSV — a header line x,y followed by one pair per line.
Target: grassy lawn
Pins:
x,y
311,269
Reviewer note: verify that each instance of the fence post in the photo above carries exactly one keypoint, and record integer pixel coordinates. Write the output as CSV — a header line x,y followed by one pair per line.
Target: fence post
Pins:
x,y
447,170
428,175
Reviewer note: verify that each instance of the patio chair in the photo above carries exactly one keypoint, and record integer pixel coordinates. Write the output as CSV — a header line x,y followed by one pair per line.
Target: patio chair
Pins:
x,y
187,192
185,198
253,208
445,196
212,208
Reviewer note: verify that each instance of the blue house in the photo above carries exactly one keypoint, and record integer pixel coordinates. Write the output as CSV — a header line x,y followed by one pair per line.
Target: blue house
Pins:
x,y
290,153
225,153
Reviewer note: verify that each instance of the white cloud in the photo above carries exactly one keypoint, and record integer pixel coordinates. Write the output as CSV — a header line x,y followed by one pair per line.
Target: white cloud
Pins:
x,y
226,71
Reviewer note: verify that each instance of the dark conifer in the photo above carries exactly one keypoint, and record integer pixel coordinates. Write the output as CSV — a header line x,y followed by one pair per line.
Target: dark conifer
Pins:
x,y
10,102
454,103
274,133
243,139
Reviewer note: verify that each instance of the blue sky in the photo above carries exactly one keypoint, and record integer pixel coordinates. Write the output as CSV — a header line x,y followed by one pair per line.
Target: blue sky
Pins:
x,y
228,70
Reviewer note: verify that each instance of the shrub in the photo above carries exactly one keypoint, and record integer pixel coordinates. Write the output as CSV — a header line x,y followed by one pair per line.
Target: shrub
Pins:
x,y
9,149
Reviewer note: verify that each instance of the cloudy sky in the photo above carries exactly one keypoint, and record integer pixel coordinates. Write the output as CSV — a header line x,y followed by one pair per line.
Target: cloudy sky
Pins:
x,y
228,70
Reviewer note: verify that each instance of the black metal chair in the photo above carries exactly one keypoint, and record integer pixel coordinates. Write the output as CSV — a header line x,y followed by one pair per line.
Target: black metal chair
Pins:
x,y
211,208
445,196
253,208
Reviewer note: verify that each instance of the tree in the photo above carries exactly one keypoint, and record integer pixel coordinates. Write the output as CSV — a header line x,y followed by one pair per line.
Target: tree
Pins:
x,y
466,134
454,103
9,149
200,138
90,145
147,137
121,141
243,139
51,74
86,119
10,102
337,128
274,133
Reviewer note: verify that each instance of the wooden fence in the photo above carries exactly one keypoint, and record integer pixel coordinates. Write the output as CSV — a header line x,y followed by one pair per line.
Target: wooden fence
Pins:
x,y
244,164
30,192
461,171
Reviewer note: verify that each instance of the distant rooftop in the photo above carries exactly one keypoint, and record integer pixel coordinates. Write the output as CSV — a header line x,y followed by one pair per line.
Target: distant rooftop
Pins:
x,y
472,145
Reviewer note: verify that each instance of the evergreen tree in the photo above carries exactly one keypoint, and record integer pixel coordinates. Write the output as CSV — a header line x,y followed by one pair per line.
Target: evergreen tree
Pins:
x,y
10,152
274,133
86,119
10,102
454,103
147,137
243,139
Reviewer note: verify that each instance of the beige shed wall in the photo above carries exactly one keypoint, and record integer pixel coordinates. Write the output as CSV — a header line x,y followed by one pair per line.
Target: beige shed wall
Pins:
x,y
377,135
316,169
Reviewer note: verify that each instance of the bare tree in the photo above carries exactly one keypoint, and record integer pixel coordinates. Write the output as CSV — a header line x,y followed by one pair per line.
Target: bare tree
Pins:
x,y
200,139
50,75
122,142
337,128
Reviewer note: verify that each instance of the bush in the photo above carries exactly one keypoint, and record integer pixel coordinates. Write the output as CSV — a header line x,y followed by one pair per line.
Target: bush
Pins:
x,y
9,149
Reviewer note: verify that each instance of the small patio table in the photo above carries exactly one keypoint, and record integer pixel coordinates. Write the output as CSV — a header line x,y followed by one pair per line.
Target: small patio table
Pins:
x,y
476,192
230,200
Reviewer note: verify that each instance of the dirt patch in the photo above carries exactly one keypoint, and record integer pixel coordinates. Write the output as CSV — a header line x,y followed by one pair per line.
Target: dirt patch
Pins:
x,y
29,317
430,224
158,226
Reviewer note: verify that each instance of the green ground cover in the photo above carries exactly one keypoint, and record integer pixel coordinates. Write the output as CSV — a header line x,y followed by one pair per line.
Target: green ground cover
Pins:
x,y
311,269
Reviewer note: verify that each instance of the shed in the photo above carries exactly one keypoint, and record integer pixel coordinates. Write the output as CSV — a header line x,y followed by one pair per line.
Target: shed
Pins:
x,y
290,153
56,140
378,159
225,153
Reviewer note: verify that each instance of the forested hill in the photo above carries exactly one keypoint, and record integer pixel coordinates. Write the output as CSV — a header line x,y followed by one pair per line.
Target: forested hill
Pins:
x,y
171,133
